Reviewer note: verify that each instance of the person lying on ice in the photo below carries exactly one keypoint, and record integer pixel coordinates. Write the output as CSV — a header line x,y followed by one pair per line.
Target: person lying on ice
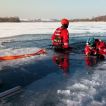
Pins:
x,y
60,38
95,47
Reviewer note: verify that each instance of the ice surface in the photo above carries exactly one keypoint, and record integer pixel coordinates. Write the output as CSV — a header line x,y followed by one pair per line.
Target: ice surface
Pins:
x,y
89,91
13,29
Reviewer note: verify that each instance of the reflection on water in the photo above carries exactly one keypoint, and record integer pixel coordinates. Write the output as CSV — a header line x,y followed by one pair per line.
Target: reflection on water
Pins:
x,y
93,60
62,61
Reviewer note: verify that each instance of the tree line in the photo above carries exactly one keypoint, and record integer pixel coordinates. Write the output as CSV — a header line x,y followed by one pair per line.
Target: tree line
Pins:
x,y
17,19
9,19
96,19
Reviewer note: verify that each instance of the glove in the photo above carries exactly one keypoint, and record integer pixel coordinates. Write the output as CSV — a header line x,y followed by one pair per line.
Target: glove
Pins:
x,y
65,46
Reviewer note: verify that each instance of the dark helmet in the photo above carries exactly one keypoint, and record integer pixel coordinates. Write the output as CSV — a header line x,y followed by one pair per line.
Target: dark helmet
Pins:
x,y
91,41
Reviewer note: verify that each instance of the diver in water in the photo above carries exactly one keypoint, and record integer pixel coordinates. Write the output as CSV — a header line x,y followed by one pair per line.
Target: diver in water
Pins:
x,y
95,47
60,38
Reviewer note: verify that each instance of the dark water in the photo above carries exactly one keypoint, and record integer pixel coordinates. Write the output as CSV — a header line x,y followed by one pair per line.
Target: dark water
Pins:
x,y
59,79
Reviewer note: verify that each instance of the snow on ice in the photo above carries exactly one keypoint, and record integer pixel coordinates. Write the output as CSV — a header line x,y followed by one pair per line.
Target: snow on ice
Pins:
x,y
13,29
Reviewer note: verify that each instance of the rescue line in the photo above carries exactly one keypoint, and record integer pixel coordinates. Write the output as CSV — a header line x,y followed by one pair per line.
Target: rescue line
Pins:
x,y
13,57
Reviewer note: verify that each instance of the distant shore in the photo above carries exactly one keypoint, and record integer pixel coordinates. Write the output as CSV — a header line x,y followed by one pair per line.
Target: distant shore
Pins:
x,y
17,19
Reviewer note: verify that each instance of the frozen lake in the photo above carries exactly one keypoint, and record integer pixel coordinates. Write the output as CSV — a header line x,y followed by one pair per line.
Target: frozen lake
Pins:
x,y
54,79
12,29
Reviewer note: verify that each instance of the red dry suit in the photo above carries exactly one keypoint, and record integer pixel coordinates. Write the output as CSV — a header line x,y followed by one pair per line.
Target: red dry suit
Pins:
x,y
90,50
60,38
101,46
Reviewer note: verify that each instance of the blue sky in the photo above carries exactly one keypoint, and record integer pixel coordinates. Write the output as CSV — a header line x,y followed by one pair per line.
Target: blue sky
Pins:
x,y
52,8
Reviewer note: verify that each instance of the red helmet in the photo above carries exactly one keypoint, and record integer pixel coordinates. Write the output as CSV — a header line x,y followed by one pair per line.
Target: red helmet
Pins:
x,y
64,21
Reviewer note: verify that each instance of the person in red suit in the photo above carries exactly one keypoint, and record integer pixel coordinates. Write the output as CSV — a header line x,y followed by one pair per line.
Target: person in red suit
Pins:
x,y
60,37
101,46
90,48
94,47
